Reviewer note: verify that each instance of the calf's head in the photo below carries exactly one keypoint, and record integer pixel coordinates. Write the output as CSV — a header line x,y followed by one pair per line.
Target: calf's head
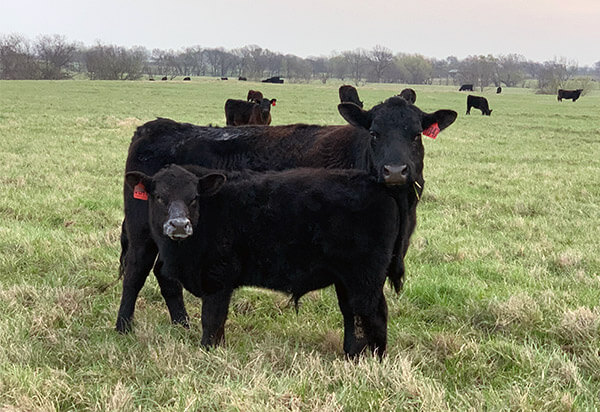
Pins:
x,y
395,128
174,194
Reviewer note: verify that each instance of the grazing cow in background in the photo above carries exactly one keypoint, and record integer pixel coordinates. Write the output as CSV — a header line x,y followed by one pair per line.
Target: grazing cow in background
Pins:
x,y
164,78
499,90
384,141
478,102
293,231
274,79
568,94
187,79
151,79
349,94
242,78
224,78
254,96
240,112
466,87
409,95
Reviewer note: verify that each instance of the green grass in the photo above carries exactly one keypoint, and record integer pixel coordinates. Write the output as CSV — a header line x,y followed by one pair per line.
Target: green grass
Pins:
x,y
500,310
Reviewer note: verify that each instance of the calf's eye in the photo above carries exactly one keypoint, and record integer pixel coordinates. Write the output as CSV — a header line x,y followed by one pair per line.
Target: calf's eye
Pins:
x,y
374,134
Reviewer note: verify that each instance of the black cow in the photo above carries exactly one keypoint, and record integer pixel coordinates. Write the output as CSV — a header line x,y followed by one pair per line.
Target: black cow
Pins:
x,y
224,78
187,79
274,79
293,231
466,87
499,90
478,102
384,141
151,79
568,94
409,95
254,96
164,78
349,94
241,112
242,78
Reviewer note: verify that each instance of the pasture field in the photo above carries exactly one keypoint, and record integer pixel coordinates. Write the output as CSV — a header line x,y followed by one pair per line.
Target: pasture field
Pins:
x,y
500,310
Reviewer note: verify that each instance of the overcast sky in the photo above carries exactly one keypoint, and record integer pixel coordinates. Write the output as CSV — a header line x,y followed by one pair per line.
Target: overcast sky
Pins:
x,y
540,30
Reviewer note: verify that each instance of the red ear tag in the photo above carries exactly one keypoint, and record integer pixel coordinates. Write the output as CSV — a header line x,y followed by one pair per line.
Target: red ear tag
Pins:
x,y
273,103
432,131
139,192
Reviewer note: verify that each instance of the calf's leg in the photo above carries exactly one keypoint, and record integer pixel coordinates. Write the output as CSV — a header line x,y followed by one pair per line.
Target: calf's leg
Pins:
x,y
214,314
172,292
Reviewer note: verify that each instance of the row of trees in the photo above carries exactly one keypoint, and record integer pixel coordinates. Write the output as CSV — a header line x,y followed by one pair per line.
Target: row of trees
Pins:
x,y
54,57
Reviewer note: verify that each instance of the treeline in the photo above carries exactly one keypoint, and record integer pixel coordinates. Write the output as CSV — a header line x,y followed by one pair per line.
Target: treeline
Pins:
x,y
54,57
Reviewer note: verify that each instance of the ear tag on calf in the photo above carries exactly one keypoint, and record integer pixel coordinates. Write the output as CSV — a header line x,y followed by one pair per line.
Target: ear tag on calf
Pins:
x,y
432,131
273,104
139,192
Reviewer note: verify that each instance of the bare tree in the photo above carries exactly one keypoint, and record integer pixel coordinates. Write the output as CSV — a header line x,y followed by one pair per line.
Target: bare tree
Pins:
x,y
109,62
380,60
356,61
17,59
553,75
510,69
55,54
479,70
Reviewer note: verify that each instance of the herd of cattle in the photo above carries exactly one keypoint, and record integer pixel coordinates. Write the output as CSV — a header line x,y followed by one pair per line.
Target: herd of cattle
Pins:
x,y
292,208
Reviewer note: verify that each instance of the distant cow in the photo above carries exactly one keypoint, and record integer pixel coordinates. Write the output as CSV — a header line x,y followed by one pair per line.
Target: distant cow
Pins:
x,y
274,79
151,79
241,113
164,78
187,79
499,90
409,95
293,231
349,94
569,94
254,96
224,78
242,78
478,102
384,141
466,87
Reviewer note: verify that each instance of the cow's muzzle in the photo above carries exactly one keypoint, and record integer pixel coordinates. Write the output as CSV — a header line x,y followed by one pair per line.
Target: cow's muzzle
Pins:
x,y
395,175
178,228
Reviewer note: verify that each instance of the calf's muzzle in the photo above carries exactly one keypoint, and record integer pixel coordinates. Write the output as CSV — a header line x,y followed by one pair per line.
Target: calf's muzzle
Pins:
x,y
178,228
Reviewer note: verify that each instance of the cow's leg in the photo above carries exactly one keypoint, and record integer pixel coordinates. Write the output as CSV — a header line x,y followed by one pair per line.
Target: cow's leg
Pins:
x,y
355,340
172,292
138,262
468,110
214,314
375,326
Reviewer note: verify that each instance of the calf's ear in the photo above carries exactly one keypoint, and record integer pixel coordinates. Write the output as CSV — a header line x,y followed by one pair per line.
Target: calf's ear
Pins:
x,y
355,115
210,184
443,118
134,178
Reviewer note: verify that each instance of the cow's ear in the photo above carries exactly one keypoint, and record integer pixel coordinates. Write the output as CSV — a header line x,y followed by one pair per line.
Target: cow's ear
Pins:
x,y
210,184
134,178
443,118
355,115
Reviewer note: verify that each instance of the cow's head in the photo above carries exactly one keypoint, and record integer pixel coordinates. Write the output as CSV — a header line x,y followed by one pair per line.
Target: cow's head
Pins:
x,y
174,194
395,128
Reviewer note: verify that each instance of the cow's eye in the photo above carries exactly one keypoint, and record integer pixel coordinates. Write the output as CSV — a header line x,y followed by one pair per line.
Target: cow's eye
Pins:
x,y
374,134
417,136
194,201
159,199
